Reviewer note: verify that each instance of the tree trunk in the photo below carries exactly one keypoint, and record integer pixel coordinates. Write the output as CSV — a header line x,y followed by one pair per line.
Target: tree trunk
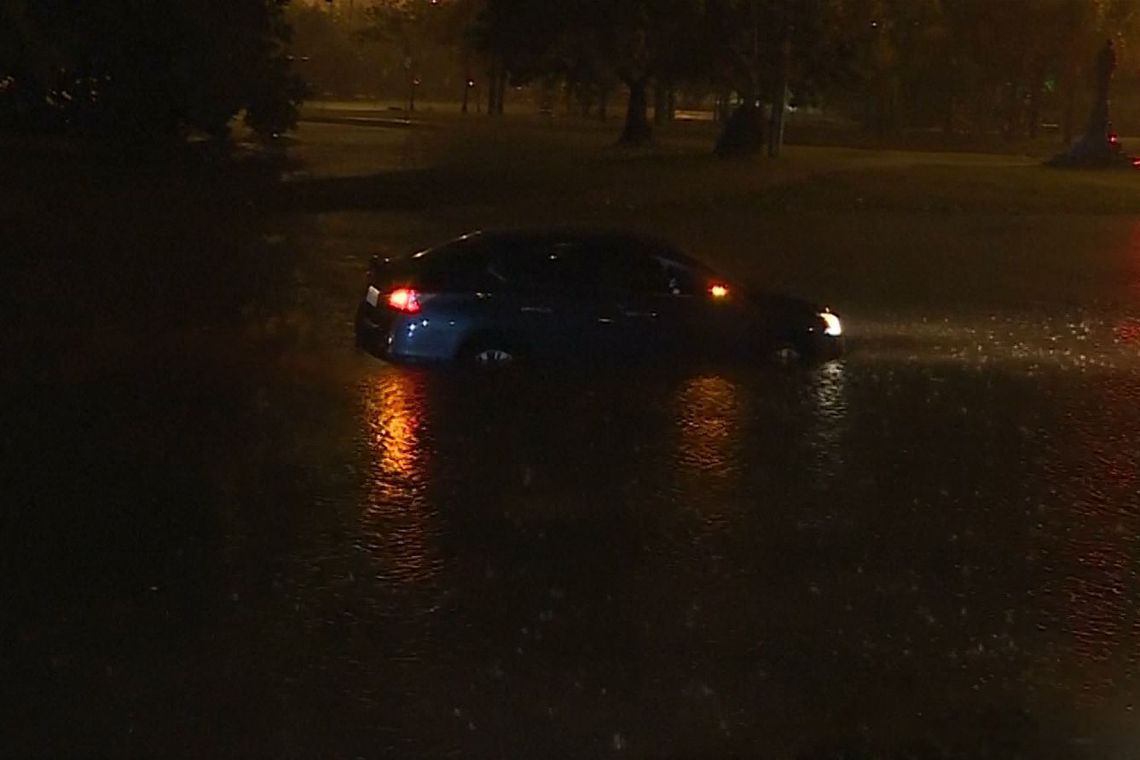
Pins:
x,y
466,83
726,105
502,96
1069,114
743,132
496,84
660,104
492,89
1034,118
637,130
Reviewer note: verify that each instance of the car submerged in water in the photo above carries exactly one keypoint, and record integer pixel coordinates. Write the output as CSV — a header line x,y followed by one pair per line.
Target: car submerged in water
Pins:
x,y
502,298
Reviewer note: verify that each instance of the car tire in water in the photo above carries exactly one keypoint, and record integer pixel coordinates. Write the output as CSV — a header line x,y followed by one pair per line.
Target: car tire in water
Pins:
x,y
490,352
788,353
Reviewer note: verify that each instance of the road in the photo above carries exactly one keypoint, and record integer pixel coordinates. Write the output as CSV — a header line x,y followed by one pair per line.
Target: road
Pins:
x,y
927,549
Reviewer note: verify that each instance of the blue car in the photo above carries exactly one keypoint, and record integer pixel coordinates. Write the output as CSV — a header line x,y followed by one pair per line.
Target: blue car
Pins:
x,y
500,298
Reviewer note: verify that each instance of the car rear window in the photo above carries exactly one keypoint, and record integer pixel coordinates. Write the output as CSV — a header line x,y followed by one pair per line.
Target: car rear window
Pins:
x,y
460,265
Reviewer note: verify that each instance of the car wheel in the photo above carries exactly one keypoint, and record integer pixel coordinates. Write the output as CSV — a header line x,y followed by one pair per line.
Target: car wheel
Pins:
x,y
787,353
491,354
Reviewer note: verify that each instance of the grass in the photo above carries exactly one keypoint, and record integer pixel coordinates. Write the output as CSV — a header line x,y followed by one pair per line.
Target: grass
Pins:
x,y
107,252
870,229
680,168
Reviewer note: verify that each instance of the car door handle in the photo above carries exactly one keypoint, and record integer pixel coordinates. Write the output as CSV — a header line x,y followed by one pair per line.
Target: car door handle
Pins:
x,y
536,310
640,314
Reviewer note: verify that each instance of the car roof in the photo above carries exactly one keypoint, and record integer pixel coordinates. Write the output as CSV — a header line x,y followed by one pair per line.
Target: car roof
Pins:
x,y
606,239
568,234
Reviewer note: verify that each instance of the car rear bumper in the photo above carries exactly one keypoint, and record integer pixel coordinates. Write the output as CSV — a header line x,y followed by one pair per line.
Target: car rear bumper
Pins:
x,y
402,338
372,334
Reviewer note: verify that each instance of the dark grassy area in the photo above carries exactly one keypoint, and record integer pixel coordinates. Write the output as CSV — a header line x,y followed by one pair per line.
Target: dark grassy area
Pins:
x,y
577,169
802,128
877,229
106,251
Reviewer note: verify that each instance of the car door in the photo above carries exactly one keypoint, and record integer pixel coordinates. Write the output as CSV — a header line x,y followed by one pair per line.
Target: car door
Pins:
x,y
547,294
670,305
700,311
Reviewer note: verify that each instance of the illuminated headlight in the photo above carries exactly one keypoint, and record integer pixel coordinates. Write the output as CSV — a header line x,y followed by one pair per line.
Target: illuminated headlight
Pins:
x,y
832,325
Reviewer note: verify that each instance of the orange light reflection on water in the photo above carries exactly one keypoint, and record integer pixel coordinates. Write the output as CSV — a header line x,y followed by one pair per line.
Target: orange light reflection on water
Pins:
x,y
709,407
397,522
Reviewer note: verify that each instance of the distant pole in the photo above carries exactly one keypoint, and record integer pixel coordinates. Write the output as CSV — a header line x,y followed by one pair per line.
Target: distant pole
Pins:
x,y
468,83
780,99
754,94
408,64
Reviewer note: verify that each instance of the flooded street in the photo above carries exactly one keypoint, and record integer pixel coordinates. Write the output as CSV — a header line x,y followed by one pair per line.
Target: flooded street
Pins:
x,y
928,549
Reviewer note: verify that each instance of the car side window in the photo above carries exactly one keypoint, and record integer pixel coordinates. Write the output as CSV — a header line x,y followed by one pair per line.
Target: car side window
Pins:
x,y
648,274
635,273
554,268
680,280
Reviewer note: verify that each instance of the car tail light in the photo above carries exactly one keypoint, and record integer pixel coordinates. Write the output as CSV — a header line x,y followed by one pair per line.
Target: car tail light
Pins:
x,y
405,300
717,290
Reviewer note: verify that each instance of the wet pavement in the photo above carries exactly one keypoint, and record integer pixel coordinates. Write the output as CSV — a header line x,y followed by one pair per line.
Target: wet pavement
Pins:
x,y
927,549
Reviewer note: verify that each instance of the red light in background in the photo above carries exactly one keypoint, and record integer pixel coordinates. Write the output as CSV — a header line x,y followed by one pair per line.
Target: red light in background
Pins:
x,y
405,300
717,290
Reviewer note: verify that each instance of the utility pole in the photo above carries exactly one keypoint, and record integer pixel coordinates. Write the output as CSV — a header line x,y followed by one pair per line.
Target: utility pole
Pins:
x,y
409,64
754,93
780,97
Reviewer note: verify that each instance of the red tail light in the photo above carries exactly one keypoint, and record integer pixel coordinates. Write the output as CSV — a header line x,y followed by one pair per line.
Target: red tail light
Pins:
x,y
405,300
717,290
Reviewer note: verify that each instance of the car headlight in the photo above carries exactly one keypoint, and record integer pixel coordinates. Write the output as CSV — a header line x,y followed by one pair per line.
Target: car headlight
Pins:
x,y
832,325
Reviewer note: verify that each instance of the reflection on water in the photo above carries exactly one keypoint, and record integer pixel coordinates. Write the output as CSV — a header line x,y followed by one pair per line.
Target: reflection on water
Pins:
x,y
1133,258
828,390
1093,571
709,418
1127,328
397,521
709,410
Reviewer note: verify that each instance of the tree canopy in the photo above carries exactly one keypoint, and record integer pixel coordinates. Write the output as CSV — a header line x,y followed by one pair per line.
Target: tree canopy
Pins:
x,y
960,64
145,68
159,67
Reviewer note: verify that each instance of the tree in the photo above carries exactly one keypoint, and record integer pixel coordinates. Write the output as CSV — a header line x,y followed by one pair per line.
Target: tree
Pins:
x,y
761,49
327,49
408,23
146,68
975,64
516,39
635,41
458,20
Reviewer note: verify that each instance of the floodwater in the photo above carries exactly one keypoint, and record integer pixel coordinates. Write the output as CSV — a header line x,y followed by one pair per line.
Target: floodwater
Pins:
x,y
927,549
